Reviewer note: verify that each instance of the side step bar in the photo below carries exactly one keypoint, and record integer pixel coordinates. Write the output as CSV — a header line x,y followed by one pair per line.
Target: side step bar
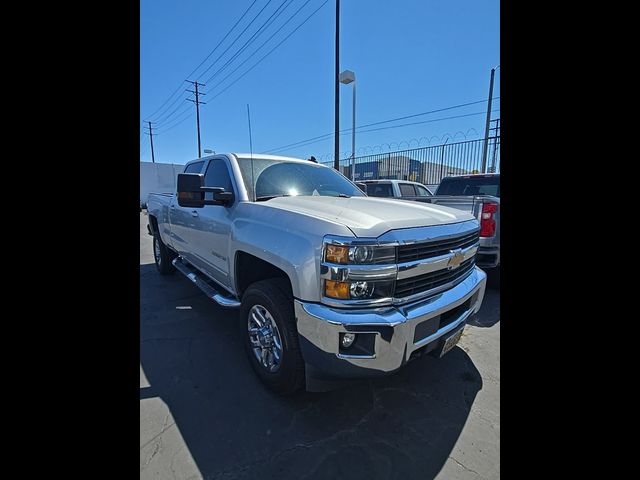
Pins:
x,y
204,284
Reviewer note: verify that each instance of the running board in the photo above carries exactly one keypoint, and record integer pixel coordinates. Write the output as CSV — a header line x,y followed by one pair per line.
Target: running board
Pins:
x,y
204,284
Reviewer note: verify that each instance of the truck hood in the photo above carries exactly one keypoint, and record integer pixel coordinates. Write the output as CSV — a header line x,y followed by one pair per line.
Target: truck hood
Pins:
x,y
370,216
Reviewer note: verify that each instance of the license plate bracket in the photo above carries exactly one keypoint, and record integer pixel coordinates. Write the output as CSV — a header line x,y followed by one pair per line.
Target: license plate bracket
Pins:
x,y
451,342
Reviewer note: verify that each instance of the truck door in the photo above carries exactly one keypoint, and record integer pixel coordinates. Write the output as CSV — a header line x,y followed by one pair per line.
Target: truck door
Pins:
x,y
210,238
183,220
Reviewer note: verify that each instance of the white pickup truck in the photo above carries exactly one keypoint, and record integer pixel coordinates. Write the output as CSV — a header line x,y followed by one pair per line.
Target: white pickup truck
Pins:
x,y
330,284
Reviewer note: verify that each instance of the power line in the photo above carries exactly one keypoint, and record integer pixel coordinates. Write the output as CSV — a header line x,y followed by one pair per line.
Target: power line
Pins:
x,y
188,111
270,51
343,132
252,67
424,121
376,123
260,47
164,119
279,29
235,40
169,120
201,63
223,38
167,117
267,23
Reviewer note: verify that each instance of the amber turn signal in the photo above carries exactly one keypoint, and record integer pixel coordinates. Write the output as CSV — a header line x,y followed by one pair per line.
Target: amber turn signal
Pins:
x,y
337,254
335,289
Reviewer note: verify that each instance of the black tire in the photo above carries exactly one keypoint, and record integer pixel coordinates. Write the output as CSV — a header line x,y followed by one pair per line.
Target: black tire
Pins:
x,y
163,256
275,296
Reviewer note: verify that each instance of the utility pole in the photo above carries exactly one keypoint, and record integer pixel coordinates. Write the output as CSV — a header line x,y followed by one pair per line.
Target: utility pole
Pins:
x,y
197,102
486,128
153,158
336,148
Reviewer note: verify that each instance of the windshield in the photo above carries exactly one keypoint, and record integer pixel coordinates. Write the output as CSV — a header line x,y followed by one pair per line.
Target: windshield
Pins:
x,y
277,178
470,186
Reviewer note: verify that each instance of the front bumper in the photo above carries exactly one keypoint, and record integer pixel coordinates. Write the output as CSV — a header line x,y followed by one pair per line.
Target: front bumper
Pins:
x,y
392,330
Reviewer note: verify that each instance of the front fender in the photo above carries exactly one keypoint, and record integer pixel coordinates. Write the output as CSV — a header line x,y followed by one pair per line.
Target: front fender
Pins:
x,y
288,240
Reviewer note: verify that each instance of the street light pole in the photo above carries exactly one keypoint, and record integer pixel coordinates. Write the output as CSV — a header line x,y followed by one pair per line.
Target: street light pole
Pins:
x,y
348,77
336,147
353,136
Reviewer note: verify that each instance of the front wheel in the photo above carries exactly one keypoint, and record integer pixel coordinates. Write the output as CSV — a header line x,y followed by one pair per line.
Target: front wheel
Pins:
x,y
162,256
270,336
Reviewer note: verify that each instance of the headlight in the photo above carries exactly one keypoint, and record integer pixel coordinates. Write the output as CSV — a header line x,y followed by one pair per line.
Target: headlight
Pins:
x,y
359,254
358,290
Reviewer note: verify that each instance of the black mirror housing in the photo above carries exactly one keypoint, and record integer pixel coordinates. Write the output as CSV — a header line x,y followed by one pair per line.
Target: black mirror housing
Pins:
x,y
190,193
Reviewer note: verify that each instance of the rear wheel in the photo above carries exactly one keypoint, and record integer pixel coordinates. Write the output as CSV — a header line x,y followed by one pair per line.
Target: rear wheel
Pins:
x,y
270,336
162,256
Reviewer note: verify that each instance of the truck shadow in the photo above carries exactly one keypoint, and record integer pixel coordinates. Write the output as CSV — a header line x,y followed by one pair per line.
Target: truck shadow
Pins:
x,y
489,313
401,426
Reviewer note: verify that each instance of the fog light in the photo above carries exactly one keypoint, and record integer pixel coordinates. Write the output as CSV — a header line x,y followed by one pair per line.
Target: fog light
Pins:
x,y
347,339
359,289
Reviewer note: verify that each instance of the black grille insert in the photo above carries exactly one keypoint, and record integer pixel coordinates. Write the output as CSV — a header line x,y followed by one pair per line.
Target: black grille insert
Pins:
x,y
421,283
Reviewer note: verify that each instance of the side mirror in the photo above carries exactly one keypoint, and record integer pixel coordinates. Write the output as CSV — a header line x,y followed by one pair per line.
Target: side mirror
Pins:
x,y
190,193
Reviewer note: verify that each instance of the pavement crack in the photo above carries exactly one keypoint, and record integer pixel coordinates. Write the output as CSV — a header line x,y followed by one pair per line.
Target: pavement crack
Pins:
x,y
156,448
466,468
164,429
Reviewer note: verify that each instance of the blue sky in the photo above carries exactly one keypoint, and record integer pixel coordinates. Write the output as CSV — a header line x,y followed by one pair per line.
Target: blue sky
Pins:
x,y
409,56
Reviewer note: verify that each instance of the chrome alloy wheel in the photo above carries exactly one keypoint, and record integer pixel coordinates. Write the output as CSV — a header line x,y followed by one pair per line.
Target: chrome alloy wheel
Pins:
x,y
265,338
156,250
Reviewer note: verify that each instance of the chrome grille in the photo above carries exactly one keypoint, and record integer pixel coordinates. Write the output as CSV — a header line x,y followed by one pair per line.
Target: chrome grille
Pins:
x,y
432,280
434,248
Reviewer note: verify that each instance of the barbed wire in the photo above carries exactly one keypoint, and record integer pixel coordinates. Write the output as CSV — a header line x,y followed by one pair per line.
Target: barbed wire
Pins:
x,y
395,146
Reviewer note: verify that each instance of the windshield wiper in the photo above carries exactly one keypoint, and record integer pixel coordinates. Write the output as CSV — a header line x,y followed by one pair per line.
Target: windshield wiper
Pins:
x,y
269,197
343,195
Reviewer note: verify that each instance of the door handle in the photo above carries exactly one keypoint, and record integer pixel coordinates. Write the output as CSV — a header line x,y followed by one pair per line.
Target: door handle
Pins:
x,y
194,213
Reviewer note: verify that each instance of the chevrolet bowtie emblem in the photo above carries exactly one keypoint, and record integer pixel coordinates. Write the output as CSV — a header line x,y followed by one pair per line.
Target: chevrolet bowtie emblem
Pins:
x,y
456,259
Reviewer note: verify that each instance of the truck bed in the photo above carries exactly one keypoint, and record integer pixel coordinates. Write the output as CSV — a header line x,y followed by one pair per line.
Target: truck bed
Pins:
x,y
471,204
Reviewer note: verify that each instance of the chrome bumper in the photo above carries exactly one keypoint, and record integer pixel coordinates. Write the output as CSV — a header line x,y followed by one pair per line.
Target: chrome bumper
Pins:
x,y
394,329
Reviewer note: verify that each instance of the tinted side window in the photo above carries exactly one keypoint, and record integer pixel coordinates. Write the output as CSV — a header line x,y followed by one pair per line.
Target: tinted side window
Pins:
x,y
406,190
379,190
217,176
422,191
194,167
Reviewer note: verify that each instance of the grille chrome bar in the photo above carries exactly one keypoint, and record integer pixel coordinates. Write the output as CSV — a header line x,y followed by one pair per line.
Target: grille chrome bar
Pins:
x,y
434,248
421,267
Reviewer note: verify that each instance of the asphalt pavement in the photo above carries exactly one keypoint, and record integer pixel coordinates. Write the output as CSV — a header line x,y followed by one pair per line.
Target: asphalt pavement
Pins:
x,y
205,415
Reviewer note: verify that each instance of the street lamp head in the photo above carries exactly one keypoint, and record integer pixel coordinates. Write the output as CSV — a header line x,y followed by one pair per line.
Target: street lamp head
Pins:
x,y
347,77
